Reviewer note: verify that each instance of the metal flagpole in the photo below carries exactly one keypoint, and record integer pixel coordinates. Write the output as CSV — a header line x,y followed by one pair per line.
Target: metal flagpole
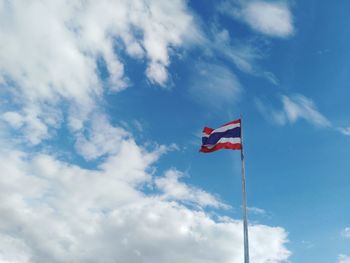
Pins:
x,y
244,195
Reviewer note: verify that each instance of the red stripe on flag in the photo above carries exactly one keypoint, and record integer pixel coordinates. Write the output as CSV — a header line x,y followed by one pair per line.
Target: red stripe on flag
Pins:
x,y
226,145
232,122
207,130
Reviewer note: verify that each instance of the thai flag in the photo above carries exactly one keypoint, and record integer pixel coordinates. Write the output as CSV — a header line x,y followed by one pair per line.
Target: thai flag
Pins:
x,y
228,136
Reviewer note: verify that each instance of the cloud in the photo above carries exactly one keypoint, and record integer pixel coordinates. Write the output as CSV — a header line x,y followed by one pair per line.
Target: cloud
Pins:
x,y
215,85
343,259
270,18
14,119
346,232
245,55
256,210
100,139
294,107
49,54
307,244
173,189
345,131
300,107
271,77
54,211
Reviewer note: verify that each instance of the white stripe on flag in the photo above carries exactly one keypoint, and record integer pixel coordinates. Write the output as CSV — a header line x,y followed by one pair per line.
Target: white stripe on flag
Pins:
x,y
227,127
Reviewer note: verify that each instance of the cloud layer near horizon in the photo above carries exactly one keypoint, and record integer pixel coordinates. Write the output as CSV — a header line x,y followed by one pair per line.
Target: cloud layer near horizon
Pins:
x,y
53,211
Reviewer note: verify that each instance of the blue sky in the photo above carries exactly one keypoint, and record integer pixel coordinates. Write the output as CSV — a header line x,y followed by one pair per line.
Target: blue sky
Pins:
x,y
101,117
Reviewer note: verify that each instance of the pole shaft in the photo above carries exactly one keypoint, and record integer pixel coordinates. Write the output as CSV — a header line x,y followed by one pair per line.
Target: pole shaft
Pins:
x,y
244,198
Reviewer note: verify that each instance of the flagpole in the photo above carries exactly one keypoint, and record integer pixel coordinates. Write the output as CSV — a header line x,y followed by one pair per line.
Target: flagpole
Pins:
x,y
244,198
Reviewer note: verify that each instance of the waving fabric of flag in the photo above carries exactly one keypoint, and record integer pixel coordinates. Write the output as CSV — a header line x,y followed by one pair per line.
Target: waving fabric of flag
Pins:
x,y
228,136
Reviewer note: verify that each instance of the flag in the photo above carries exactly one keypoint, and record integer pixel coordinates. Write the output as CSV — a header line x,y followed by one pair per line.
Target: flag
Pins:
x,y
227,136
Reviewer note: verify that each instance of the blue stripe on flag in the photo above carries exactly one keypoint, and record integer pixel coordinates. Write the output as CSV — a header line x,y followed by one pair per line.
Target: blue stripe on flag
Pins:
x,y
215,137
204,140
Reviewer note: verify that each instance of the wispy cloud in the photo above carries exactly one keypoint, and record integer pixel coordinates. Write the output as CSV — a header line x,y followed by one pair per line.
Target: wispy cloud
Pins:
x,y
270,18
245,55
256,211
214,85
345,130
307,244
294,108
300,107
297,107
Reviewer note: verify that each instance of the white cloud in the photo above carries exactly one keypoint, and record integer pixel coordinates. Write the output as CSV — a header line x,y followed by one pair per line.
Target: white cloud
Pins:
x,y
13,118
49,51
346,232
54,211
300,107
215,85
295,107
173,189
343,259
256,210
16,250
100,139
271,77
270,18
243,54
345,131
156,72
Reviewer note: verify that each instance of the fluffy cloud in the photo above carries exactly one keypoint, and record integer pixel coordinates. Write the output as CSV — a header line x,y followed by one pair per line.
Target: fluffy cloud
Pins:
x,y
295,107
101,138
14,119
269,18
173,189
343,259
49,54
54,211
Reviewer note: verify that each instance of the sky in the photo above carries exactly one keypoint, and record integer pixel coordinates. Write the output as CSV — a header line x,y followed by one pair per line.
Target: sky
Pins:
x,y
102,107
